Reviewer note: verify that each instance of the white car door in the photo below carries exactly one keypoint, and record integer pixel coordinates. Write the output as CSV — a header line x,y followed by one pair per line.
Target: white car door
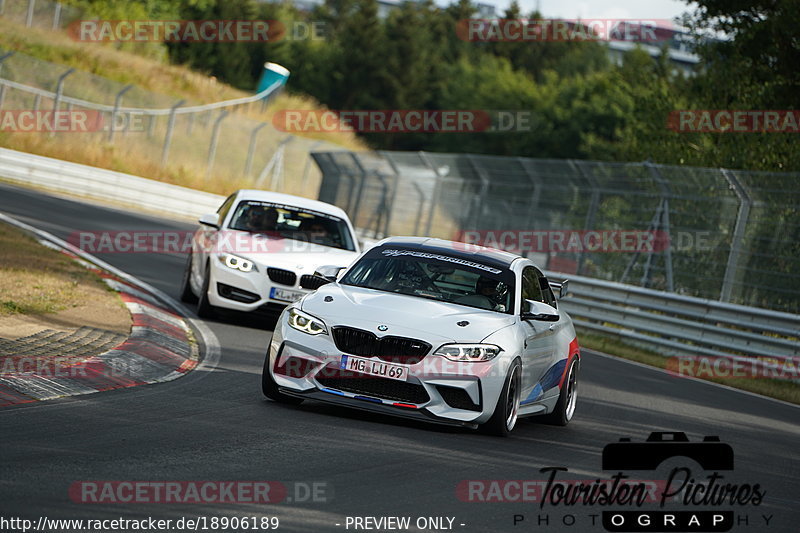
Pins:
x,y
539,336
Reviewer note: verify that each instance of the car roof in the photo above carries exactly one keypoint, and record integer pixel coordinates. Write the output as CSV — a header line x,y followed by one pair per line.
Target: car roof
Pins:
x,y
487,256
289,199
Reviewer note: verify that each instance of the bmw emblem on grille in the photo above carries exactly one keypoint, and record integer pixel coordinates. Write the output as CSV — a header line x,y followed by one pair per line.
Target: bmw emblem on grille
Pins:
x,y
382,327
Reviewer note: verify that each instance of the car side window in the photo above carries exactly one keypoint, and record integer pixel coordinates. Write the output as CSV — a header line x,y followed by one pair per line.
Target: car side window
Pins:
x,y
531,290
225,207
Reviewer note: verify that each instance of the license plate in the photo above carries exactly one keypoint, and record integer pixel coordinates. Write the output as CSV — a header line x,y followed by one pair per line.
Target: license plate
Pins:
x,y
285,295
374,368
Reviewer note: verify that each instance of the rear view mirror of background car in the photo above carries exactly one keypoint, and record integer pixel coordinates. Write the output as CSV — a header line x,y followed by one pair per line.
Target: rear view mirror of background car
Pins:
x,y
535,310
328,272
211,220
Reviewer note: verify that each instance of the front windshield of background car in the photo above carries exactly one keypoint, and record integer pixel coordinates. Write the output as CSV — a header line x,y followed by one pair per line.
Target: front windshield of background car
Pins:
x,y
435,277
291,222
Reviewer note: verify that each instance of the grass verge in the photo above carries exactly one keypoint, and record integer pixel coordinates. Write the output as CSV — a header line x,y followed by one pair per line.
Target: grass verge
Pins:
x,y
779,389
35,280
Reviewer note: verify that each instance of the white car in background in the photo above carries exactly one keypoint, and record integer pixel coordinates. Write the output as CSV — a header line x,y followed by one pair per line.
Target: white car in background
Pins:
x,y
260,250
432,330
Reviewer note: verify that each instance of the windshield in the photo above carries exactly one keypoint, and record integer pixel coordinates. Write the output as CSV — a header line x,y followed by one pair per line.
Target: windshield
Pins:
x,y
435,277
291,222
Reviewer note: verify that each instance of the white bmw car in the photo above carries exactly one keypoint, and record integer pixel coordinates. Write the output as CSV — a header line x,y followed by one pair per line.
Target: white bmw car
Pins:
x,y
432,330
261,249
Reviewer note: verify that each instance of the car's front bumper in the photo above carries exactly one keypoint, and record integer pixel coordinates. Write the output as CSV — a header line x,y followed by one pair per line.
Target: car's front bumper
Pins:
x,y
247,291
436,389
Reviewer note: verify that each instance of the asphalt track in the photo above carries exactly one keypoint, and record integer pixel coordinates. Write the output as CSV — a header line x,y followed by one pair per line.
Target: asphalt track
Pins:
x,y
215,425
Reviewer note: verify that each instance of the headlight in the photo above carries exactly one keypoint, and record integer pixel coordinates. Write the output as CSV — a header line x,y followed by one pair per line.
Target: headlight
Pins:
x,y
306,323
237,263
470,353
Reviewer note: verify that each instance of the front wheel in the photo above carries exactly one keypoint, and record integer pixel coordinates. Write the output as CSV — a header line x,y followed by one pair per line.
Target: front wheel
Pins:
x,y
567,398
505,412
187,295
270,388
204,308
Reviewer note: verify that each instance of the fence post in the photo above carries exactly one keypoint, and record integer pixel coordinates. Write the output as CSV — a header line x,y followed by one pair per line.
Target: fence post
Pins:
x,y
421,194
168,136
308,164
2,7
3,58
59,92
117,101
360,190
248,166
37,102
57,16
29,16
591,214
212,148
437,186
745,203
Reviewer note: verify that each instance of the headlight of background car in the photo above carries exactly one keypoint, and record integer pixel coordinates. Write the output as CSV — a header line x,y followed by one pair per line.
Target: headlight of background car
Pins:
x,y
470,353
306,323
237,263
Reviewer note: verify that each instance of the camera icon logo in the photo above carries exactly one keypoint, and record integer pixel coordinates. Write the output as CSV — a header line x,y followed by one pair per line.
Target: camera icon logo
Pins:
x,y
710,453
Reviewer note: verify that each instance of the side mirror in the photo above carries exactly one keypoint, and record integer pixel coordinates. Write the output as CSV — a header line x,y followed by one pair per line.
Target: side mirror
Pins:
x,y
560,288
533,310
328,272
211,220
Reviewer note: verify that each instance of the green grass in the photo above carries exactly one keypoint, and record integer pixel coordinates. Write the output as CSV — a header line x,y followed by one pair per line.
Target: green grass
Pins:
x,y
782,390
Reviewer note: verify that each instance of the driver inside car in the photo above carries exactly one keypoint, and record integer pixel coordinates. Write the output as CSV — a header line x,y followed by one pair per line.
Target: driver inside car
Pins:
x,y
260,219
489,294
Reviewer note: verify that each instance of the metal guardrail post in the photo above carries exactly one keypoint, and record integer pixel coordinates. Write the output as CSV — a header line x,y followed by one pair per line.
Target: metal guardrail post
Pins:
x,y
437,190
664,224
480,197
3,87
307,167
29,15
360,191
591,213
37,103
168,136
395,185
212,147
59,93
117,101
248,165
745,203
421,194
2,7
57,16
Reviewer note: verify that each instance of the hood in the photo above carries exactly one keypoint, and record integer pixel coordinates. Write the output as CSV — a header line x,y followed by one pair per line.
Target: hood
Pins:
x,y
298,256
405,316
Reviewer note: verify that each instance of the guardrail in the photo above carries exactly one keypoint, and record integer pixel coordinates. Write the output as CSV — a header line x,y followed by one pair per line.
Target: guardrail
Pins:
x,y
677,325
667,323
106,185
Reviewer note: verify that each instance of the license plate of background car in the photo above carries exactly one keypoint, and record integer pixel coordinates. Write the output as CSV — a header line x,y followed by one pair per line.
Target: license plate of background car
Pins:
x,y
286,296
374,368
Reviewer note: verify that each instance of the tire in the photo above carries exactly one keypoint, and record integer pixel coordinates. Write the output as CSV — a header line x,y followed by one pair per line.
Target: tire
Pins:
x,y
270,388
187,295
504,418
567,398
204,308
